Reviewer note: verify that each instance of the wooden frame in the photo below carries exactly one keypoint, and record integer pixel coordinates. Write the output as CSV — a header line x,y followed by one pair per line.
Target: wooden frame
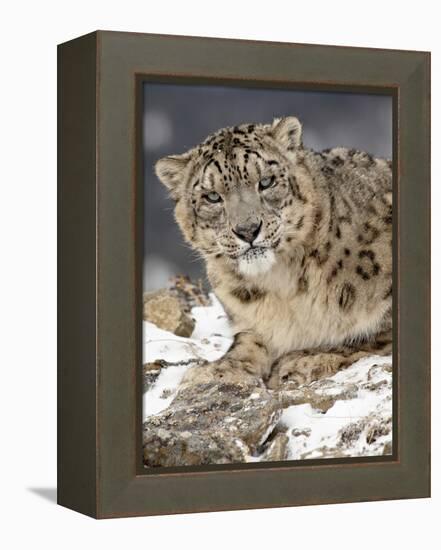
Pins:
x,y
100,222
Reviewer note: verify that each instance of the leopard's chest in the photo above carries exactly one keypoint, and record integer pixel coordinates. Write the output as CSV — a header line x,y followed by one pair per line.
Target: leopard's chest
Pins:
x,y
288,321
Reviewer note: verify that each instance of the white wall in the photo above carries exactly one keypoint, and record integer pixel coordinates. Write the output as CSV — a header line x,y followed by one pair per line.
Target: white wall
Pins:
x,y
29,34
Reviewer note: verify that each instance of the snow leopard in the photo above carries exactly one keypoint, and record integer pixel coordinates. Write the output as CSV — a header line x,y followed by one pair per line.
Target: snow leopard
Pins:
x,y
297,245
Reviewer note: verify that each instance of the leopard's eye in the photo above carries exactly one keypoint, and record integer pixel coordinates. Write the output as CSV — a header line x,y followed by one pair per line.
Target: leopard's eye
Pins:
x,y
266,183
213,197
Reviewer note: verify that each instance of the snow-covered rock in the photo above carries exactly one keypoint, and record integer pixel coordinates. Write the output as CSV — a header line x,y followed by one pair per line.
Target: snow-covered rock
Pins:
x,y
349,414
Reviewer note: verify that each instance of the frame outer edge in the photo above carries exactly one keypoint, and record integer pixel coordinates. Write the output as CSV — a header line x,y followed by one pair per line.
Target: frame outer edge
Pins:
x,y
77,380
119,492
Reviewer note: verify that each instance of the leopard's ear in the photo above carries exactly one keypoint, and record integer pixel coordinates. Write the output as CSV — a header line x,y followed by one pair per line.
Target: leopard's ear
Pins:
x,y
171,171
287,132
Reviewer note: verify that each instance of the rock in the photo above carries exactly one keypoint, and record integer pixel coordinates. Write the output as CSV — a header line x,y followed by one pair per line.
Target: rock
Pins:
x,y
213,423
170,309
321,395
150,373
190,294
277,449
166,311
296,432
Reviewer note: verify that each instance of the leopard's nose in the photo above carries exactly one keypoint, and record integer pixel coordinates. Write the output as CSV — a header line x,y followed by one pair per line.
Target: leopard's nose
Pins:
x,y
248,232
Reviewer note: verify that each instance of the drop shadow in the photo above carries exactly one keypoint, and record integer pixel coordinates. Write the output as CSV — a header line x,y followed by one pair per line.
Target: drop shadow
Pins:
x,y
48,493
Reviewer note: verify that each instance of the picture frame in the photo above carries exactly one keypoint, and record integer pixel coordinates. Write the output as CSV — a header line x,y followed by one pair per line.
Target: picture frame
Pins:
x,y
100,470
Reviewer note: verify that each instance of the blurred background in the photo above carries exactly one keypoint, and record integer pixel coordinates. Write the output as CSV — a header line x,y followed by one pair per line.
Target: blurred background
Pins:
x,y
178,116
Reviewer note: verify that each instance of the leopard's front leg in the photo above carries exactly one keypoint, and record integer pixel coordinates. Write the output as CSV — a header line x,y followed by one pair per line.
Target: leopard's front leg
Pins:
x,y
306,366
247,359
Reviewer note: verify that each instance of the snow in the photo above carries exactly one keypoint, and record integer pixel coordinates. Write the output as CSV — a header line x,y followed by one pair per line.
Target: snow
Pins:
x,y
211,337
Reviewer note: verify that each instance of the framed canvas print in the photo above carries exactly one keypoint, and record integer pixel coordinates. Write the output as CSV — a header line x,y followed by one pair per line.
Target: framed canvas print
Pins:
x,y
244,274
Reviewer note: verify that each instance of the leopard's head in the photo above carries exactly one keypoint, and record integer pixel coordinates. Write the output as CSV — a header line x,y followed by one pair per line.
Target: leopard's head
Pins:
x,y
236,193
